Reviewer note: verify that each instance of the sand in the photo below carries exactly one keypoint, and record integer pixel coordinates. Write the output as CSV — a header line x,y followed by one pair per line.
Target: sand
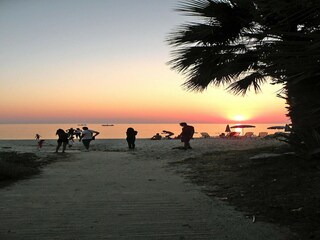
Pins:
x,y
113,193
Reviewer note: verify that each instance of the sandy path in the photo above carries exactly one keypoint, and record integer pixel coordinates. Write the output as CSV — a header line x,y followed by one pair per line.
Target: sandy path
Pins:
x,y
119,195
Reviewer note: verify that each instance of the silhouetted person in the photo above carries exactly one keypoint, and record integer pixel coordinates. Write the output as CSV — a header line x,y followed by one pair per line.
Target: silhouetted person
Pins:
x,y
186,134
62,140
77,132
222,135
71,133
87,136
40,143
156,137
131,137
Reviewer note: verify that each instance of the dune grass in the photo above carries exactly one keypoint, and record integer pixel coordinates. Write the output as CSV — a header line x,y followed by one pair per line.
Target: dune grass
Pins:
x,y
15,166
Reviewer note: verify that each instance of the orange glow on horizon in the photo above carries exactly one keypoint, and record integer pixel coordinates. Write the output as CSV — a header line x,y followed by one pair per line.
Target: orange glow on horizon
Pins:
x,y
117,104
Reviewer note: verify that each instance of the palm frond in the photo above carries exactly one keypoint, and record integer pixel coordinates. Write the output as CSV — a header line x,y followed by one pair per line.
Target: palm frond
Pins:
x,y
252,80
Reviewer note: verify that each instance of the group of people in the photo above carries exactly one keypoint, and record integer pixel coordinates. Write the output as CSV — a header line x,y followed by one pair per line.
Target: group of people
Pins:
x,y
185,136
86,135
74,132
65,137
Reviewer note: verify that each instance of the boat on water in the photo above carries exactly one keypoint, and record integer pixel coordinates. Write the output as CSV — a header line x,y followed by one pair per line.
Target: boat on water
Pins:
x,y
107,125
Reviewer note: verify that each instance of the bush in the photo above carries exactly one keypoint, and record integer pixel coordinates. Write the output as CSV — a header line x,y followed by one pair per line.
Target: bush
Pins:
x,y
15,165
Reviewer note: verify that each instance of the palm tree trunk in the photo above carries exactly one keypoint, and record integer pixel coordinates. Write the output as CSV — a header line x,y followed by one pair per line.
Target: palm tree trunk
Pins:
x,y
304,111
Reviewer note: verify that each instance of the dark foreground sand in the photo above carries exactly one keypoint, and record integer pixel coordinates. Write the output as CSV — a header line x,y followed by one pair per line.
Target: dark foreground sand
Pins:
x,y
282,189
112,193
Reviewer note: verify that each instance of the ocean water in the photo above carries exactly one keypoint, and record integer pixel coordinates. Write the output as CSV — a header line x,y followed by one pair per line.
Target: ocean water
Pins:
x,y
118,131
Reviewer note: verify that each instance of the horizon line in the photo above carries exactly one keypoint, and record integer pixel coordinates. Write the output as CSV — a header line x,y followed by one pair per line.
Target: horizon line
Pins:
x,y
114,123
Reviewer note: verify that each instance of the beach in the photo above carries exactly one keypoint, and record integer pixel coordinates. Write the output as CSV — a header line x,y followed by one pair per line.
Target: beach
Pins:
x,y
113,193
82,80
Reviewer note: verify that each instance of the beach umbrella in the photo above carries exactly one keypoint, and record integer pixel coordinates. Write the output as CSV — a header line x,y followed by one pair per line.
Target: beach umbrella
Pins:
x,y
276,127
243,126
228,128
169,134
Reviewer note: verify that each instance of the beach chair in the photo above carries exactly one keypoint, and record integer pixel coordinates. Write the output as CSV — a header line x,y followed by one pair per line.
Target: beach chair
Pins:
x,y
233,135
205,135
247,135
262,134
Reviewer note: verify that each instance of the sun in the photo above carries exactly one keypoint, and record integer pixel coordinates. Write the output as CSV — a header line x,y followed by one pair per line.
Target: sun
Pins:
x,y
239,118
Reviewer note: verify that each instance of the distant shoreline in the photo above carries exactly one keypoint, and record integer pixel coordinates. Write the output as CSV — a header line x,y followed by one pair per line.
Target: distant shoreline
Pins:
x,y
118,131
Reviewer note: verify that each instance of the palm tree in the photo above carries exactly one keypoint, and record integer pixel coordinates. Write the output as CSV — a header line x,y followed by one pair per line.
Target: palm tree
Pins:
x,y
244,43
297,55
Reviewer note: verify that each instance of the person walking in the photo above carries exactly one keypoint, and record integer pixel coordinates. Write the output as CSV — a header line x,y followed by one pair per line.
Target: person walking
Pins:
x,y
131,137
62,139
71,132
40,141
87,136
40,144
37,137
186,134
77,132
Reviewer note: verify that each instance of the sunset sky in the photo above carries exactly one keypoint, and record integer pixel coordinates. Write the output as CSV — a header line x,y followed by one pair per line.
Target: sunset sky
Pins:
x,y
104,61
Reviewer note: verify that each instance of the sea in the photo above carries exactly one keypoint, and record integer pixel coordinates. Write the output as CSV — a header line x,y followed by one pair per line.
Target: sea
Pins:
x,y
118,131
